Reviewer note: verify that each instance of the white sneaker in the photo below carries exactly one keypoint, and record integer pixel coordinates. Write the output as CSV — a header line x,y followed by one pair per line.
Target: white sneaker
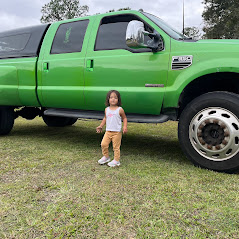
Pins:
x,y
114,163
104,160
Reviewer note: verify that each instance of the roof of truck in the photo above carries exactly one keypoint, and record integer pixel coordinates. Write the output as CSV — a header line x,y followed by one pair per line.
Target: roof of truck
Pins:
x,y
26,41
103,14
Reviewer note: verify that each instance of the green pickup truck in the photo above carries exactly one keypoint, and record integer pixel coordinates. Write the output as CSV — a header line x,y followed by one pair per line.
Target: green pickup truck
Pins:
x,y
62,72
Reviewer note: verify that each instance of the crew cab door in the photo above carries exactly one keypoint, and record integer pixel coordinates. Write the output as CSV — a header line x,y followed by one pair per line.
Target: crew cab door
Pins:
x,y
61,65
139,75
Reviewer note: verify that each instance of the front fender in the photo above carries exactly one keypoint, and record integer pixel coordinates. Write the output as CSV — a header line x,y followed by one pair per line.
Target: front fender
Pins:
x,y
179,79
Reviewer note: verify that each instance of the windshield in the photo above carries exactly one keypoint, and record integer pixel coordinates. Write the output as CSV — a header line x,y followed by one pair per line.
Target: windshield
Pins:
x,y
166,28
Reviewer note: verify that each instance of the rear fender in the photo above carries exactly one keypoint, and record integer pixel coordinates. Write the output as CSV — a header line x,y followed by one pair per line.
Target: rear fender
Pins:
x,y
9,86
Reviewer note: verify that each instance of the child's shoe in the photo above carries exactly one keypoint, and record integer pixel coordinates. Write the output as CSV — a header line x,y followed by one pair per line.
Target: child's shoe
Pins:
x,y
104,160
114,163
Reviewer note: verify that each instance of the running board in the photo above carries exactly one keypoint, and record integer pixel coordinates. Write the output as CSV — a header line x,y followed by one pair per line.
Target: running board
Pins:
x,y
99,115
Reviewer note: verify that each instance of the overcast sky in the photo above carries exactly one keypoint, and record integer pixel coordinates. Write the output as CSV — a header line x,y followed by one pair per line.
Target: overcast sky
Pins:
x,y
20,13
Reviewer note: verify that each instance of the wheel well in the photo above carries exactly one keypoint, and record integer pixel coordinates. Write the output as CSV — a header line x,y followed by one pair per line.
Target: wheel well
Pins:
x,y
225,81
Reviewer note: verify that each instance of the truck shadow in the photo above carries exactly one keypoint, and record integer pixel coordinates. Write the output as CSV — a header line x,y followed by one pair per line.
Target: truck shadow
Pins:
x,y
137,144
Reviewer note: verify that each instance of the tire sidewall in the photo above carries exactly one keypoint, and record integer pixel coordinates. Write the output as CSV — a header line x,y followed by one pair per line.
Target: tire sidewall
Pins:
x,y
54,121
6,120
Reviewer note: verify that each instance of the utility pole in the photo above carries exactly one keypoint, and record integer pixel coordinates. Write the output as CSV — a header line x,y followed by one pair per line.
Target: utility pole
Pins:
x,y
183,17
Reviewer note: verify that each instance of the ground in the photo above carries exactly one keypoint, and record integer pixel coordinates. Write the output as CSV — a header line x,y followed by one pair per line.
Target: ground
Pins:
x,y
51,186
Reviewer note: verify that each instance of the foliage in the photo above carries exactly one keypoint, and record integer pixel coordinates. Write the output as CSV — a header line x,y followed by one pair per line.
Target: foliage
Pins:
x,y
120,9
192,32
57,10
221,19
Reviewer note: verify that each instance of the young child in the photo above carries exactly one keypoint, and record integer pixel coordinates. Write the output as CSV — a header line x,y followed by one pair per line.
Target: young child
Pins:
x,y
114,115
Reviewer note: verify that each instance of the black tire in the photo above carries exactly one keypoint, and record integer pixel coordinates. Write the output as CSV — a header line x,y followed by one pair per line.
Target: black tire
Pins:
x,y
55,121
72,121
7,117
208,131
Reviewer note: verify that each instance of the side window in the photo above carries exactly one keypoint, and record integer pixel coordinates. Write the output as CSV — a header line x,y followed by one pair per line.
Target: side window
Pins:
x,y
112,32
69,37
14,43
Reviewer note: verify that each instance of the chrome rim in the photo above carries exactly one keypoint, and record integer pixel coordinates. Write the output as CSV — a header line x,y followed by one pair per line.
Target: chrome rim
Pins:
x,y
214,134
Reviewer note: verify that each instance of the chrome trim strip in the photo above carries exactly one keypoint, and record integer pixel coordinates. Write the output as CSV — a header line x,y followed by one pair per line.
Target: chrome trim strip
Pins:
x,y
154,85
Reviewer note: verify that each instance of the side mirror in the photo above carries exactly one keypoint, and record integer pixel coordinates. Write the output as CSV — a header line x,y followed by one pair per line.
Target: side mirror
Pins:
x,y
135,37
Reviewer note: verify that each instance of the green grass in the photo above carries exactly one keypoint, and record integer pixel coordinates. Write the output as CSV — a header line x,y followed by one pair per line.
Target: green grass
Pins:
x,y
52,187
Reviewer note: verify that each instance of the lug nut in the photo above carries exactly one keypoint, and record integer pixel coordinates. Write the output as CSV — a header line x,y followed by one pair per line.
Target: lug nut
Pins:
x,y
201,126
226,134
215,121
207,121
224,142
223,126
202,141
209,146
218,147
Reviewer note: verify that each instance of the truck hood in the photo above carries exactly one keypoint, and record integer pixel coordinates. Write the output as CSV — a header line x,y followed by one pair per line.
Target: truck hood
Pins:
x,y
221,46
219,41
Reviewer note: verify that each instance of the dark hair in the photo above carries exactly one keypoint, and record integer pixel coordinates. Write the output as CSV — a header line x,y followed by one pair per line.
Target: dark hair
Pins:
x,y
107,103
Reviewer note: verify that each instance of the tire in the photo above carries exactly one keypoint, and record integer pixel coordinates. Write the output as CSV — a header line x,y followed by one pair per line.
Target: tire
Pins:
x,y
55,121
7,117
72,121
208,131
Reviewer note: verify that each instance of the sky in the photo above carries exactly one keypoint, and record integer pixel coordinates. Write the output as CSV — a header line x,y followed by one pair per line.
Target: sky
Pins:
x,y
21,13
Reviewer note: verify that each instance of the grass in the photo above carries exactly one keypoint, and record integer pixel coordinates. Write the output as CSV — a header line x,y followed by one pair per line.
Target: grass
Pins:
x,y
52,187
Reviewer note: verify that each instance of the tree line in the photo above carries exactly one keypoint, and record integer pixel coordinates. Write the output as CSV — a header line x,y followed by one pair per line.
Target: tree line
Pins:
x,y
57,10
221,18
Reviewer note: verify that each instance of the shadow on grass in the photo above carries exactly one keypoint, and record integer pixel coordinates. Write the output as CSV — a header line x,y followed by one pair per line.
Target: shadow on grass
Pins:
x,y
134,143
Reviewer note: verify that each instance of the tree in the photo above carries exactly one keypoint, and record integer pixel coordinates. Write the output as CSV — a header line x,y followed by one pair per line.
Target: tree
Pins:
x,y
57,10
221,18
193,32
120,9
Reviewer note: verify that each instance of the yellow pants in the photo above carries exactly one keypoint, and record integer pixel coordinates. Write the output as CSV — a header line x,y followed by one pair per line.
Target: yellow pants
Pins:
x,y
115,137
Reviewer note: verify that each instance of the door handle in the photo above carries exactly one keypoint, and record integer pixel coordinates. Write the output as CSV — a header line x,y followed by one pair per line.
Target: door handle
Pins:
x,y
90,65
45,66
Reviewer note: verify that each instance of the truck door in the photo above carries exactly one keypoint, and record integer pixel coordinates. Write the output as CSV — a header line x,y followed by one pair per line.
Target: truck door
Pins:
x,y
110,64
61,68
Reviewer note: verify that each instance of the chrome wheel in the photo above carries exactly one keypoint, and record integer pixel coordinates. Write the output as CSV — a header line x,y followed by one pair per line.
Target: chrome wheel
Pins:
x,y
214,133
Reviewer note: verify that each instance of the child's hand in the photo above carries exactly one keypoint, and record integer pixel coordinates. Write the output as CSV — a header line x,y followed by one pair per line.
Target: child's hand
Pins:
x,y
125,130
99,129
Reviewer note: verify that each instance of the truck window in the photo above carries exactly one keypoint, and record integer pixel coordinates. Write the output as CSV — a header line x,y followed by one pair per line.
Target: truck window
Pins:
x,y
69,37
14,43
23,42
112,32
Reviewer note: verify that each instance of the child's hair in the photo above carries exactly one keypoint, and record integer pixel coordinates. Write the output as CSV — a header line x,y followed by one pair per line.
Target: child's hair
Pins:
x,y
107,103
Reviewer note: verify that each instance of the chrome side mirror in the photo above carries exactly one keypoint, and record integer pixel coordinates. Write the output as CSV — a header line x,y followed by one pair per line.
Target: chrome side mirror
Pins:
x,y
135,37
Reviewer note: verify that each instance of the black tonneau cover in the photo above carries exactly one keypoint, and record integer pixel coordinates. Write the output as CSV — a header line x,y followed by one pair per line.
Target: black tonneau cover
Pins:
x,y
22,42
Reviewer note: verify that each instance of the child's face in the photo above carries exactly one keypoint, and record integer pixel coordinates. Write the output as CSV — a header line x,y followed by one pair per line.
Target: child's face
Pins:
x,y
113,100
